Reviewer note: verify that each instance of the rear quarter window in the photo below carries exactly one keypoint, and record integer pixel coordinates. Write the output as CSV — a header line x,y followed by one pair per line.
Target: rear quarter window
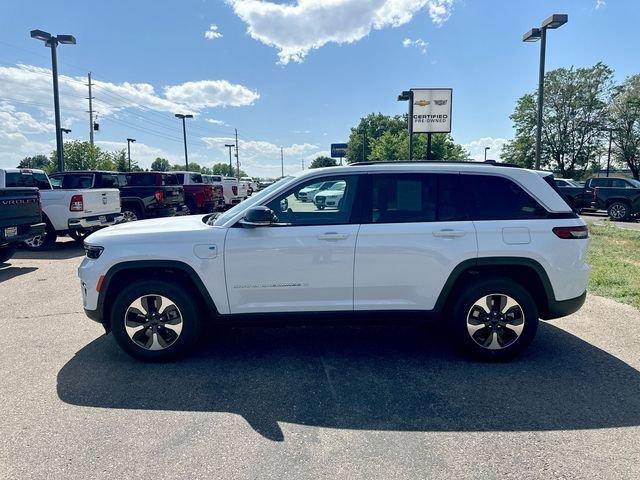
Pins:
x,y
77,181
499,198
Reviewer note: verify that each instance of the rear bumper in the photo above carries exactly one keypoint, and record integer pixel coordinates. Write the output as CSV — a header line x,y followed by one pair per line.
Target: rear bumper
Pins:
x,y
24,232
95,221
562,308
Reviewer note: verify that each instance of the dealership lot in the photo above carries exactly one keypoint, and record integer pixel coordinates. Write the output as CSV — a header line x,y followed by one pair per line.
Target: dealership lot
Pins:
x,y
349,402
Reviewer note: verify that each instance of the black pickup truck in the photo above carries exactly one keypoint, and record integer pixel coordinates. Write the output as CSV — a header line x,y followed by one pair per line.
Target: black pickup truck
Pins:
x,y
20,218
620,197
142,194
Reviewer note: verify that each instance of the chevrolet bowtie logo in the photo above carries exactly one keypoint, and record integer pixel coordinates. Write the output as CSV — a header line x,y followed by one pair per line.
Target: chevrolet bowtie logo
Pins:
x,y
422,103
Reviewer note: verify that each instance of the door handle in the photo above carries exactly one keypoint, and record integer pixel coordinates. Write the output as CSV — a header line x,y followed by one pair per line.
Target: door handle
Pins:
x,y
449,233
333,236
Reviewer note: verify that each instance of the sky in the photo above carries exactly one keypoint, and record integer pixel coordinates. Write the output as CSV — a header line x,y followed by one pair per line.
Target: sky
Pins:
x,y
295,74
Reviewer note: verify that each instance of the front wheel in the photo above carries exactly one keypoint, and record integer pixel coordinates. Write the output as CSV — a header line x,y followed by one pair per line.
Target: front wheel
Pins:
x,y
155,321
7,252
619,211
495,319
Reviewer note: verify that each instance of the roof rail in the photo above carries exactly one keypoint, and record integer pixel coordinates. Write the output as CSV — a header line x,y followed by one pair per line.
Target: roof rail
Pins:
x,y
492,163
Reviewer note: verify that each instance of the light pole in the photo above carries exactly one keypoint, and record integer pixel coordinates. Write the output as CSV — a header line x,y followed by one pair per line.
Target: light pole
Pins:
x,y
183,117
230,146
407,96
554,21
485,152
129,142
52,42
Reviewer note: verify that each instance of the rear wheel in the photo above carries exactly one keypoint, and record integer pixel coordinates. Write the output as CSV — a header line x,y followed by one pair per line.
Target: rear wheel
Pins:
x,y
619,211
43,241
495,319
7,252
131,214
79,235
155,321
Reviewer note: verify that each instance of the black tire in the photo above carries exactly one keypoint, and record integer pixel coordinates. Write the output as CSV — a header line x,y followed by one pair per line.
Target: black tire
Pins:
x,y
187,310
132,213
7,252
500,343
78,235
619,212
43,241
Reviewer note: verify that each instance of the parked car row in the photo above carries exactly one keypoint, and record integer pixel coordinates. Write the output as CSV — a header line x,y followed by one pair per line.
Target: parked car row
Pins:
x,y
619,197
36,208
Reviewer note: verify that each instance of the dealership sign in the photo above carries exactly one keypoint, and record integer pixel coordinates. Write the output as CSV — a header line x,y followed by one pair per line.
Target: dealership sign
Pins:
x,y
431,110
338,150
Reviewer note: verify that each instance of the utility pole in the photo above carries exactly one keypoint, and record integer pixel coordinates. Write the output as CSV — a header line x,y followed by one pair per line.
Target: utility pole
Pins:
x,y
282,160
184,135
237,158
90,98
303,164
230,146
129,142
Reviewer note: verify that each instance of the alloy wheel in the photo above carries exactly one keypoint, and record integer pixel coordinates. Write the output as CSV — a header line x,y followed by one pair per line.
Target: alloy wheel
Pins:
x,y
618,211
153,322
37,241
495,321
129,216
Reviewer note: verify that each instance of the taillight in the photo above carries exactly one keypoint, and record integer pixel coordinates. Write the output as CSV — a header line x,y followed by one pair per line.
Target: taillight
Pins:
x,y
159,195
234,189
572,232
39,203
76,204
595,193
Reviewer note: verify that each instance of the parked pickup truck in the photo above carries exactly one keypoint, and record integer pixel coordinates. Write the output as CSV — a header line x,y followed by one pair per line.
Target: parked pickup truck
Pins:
x,y
142,194
228,186
76,211
620,197
199,196
20,214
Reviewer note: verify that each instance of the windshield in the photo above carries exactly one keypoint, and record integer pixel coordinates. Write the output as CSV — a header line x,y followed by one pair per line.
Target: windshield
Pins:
x,y
252,200
634,182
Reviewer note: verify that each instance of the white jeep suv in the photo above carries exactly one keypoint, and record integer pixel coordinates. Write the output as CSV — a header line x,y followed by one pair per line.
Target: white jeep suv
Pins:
x,y
488,249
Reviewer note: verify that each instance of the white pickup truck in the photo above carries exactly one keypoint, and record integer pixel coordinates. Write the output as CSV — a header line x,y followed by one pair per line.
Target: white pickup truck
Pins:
x,y
76,212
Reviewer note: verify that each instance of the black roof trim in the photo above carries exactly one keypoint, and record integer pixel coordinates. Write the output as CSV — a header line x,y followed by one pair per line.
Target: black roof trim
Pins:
x,y
492,163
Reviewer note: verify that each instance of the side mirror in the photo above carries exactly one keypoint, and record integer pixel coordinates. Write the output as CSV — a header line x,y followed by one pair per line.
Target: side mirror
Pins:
x,y
258,217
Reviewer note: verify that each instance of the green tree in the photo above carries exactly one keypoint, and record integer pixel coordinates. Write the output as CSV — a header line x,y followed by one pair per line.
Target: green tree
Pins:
x,y
41,162
193,167
224,170
574,113
386,138
322,161
82,156
624,114
160,165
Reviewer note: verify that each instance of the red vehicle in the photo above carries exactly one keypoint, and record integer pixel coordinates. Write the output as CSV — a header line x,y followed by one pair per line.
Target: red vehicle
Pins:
x,y
199,196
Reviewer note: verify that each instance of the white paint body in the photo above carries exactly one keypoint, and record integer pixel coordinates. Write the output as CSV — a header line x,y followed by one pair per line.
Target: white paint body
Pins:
x,y
391,266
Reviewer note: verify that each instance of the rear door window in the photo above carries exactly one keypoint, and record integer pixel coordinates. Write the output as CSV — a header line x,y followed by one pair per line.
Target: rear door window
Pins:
x,y
408,198
77,181
599,182
195,178
141,180
110,180
169,180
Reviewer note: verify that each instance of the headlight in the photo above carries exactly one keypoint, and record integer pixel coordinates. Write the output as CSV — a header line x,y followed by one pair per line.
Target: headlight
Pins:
x,y
93,251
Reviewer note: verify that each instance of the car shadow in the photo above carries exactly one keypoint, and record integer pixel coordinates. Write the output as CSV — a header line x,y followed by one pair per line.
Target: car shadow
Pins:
x,y
7,272
404,378
59,251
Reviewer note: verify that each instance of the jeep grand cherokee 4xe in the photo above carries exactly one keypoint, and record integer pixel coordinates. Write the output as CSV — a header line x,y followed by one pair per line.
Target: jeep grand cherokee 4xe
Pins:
x,y
487,249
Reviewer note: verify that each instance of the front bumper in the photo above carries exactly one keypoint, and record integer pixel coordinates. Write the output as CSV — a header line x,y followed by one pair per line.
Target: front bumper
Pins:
x,y
95,221
23,232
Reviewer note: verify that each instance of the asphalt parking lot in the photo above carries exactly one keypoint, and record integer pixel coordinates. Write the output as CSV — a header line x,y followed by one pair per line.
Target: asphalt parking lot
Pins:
x,y
385,401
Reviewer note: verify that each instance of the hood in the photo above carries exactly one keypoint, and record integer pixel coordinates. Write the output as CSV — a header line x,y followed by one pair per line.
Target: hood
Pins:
x,y
154,230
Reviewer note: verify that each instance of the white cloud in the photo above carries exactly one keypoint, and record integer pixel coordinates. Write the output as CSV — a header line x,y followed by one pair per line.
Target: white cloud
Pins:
x,y
216,122
418,43
212,33
145,154
261,158
210,93
296,29
13,121
600,4
476,148
32,85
